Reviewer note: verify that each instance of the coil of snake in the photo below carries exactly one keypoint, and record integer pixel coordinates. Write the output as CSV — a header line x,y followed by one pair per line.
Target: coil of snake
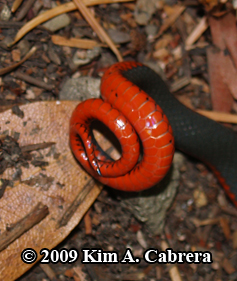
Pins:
x,y
131,93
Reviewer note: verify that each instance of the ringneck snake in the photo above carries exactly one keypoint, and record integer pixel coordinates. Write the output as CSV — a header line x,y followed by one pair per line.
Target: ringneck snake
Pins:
x,y
129,107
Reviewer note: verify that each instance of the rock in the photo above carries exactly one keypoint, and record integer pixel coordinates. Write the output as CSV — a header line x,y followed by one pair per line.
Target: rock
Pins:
x,y
5,13
80,89
82,57
144,11
24,47
54,56
5,42
57,23
151,29
150,206
119,37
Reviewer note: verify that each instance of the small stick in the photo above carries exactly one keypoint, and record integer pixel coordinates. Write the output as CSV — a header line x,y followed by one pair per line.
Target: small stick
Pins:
x,y
173,271
39,212
17,24
219,116
61,9
179,84
197,32
77,201
37,146
49,271
32,80
24,10
74,42
10,68
104,37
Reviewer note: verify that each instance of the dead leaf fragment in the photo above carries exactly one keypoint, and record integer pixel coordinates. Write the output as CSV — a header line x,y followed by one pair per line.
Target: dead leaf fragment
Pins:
x,y
222,99
227,266
221,62
74,42
42,122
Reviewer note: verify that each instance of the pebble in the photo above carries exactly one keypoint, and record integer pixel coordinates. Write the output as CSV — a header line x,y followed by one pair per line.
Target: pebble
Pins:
x,y
200,198
51,68
57,23
151,29
30,94
5,13
80,89
82,57
5,42
150,206
24,47
119,37
144,10
54,57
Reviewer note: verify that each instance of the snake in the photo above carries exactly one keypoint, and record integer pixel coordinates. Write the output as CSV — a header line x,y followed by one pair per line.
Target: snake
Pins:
x,y
149,123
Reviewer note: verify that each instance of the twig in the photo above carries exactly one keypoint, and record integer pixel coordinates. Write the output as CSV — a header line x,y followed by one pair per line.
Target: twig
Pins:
x,y
74,42
77,201
49,271
24,10
10,68
197,32
210,221
104,37
61,9
39,212
179,84
37,146
214,115
11,24
32,80
17,24
88,223
173,271
219,116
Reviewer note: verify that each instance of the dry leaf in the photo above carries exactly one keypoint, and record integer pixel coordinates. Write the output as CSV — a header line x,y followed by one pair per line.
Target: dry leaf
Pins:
x,y
221,70
229,32
42,122
74,42
222,100
222,29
